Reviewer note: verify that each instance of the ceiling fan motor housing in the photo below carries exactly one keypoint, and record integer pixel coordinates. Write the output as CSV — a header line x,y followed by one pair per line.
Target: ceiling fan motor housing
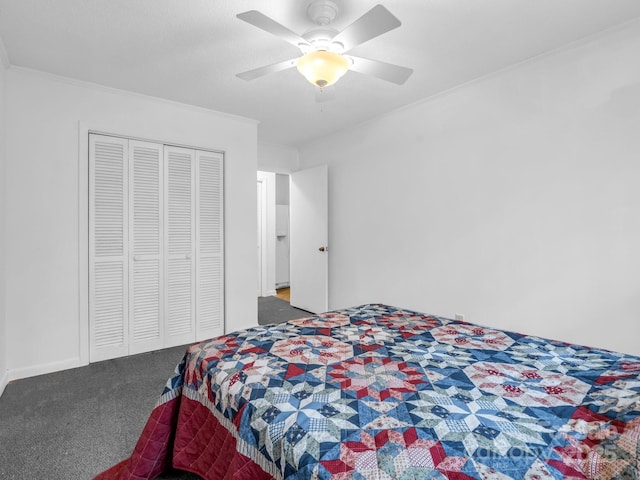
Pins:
x,y
320,39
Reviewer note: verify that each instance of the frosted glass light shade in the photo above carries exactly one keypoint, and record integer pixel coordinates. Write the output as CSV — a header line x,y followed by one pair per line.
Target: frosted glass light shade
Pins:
x,y
322,68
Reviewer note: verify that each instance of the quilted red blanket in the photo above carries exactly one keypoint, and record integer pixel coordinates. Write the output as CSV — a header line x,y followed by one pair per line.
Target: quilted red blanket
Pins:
x,y
377,392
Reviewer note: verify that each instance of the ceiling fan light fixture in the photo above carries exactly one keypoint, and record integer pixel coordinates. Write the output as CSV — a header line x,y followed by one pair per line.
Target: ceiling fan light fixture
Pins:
x,y
322,68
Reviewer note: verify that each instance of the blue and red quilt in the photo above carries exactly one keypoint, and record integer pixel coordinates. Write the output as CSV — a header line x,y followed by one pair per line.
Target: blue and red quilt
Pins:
x,y
377,392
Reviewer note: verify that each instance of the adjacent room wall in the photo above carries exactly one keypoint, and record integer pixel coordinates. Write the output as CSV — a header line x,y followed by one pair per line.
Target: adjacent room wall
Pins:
x,y
513,200
44,211
4,64
282,231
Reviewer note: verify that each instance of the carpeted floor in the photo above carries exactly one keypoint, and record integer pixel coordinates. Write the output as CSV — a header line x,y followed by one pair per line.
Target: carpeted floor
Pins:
x,y
275,310
72,425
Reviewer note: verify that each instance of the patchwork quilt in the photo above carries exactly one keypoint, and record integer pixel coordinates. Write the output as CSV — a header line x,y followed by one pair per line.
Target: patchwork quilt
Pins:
x,y
378,392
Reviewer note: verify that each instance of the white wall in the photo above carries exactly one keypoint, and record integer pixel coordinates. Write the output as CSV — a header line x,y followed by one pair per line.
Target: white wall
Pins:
x,y
46,167
277,158
3,324
513,200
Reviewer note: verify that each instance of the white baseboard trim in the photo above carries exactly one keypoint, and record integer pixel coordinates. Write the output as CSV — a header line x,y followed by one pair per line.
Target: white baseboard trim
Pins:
x,y
271,293
43,368
4,381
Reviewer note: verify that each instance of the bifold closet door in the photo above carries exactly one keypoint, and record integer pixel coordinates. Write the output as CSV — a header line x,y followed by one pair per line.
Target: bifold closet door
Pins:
x,y
180,245
209,245
156,272
194,302
145,246
108,247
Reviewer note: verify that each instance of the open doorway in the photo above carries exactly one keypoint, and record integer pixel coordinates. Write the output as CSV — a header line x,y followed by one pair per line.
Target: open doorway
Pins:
x,y
293,226
274,250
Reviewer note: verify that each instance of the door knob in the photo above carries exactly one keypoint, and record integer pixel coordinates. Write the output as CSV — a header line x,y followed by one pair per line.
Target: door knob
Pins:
x,y
323,249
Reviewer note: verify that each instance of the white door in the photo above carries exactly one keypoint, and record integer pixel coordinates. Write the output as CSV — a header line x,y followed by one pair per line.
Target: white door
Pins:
x,y
145,246
156,262
108,247
180,245
209,245
309,219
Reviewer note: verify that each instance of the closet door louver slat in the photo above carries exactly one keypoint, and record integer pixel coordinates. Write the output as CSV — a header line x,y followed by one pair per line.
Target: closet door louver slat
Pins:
x,y
179,297
108,262
145,252
109,320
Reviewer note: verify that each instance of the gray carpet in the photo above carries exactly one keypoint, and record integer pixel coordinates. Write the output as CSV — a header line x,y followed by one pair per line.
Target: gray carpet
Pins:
x,y
275,310
77,423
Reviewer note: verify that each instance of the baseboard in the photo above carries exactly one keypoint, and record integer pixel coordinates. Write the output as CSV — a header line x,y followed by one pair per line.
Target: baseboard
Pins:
x,y
43,368
4,381
282,285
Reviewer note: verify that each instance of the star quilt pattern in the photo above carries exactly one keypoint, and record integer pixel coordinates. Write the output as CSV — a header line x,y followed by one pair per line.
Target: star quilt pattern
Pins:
x,y
379,392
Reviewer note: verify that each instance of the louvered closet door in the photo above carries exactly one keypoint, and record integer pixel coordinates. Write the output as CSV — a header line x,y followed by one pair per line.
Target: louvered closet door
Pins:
x,y
179,164
209,245
145,246
108,259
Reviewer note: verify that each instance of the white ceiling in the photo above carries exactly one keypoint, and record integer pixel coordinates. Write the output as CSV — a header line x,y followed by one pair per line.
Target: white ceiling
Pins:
x,y
190,50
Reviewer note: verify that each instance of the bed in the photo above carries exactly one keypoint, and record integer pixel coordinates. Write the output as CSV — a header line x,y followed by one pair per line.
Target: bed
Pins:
x,y
379,392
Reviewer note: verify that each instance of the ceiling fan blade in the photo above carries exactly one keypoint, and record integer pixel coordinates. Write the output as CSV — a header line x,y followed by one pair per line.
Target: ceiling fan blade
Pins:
x,y
375,22
267,69
260,20
386,71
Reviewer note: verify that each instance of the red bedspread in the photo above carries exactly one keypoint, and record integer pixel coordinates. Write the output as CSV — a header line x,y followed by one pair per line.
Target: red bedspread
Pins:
x,y
204,446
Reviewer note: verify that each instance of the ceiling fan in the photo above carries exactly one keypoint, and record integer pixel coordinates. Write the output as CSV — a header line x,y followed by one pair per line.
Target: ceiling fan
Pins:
x,y
324,50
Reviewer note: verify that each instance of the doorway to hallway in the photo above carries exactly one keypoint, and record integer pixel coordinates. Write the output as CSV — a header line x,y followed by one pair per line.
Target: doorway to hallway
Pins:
x,y
293,236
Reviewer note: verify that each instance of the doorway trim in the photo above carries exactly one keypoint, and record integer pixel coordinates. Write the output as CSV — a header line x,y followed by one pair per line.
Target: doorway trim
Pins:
x,y
266,264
